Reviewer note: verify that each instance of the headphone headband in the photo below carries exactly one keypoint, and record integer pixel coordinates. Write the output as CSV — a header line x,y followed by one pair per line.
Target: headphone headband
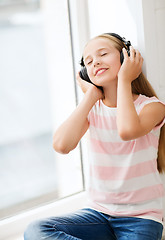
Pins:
x,y
127,43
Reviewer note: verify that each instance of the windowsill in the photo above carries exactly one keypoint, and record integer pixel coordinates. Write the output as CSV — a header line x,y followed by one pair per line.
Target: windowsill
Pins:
x,y
17,224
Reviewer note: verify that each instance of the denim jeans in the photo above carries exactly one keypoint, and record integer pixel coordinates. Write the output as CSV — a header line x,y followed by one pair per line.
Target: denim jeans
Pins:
x,y
88,224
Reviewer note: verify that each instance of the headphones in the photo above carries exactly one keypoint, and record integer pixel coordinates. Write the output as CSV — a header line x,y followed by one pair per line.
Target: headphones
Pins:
x,y
127,44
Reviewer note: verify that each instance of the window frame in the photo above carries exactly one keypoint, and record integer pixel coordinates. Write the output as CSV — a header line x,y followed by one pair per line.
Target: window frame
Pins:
x,y
17,223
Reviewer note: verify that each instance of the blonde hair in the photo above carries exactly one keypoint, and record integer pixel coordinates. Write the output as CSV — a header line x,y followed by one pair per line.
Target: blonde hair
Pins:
x,y
142,86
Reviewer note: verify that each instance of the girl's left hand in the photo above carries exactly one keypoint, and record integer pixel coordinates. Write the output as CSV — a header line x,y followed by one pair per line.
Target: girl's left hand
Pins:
x,y
132,65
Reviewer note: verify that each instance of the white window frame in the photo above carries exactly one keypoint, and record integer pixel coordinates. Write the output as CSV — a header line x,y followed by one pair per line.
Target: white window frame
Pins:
x,y
13,227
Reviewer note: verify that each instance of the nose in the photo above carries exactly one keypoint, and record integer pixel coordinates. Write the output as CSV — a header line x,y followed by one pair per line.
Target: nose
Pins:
x,y
96,62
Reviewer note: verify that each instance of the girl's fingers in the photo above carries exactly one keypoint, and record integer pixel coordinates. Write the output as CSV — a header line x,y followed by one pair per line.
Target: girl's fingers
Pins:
x,y
141,61
132,52
139,58
125,53
135,55
138,55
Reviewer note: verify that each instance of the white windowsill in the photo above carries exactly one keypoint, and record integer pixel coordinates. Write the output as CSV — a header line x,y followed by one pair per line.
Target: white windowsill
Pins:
x,y
14,227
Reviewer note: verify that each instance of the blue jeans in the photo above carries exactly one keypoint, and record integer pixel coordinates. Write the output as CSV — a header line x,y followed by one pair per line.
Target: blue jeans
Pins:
x,y
88,224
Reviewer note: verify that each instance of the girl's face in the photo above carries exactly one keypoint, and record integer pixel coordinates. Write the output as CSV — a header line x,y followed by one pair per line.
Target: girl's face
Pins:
x,y
102,61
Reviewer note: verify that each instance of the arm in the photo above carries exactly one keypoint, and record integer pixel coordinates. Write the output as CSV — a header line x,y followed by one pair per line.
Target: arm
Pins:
x,y
71,131
130,124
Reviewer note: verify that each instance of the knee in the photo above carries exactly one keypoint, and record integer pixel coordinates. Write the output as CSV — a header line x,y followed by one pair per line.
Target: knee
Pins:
x,y
33,231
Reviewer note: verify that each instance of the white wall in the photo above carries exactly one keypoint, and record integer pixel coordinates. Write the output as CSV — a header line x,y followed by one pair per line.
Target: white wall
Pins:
x,y
140,21
111,16
154,31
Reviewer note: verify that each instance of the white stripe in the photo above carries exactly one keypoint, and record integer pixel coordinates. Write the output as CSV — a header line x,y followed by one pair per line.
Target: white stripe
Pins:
x,y
126,186
103,110
154,204
125,160
104,135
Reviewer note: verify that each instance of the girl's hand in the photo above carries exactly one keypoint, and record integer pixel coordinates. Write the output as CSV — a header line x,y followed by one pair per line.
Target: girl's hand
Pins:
x,y
132,65
88,87
84,85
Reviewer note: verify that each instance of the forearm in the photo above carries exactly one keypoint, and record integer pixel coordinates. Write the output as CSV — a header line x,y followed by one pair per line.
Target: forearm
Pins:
x,y
127,117
128,121
70,132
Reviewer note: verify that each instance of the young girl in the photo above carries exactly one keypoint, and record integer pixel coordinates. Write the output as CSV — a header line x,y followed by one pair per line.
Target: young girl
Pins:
x,y
127,150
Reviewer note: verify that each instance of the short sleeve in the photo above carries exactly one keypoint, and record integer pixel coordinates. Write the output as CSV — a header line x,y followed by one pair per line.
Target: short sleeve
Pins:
x,y
147,100
160,125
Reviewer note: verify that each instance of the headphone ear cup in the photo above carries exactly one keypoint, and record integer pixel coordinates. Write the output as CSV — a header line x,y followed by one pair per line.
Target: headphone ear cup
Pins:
x,y
121,57
84,74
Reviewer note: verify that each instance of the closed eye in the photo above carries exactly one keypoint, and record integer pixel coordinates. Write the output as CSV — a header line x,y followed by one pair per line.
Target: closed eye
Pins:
x,y
103,54
89,62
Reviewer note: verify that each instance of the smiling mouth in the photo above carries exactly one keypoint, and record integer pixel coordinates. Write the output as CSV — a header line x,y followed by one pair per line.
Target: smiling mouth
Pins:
x,y
101,71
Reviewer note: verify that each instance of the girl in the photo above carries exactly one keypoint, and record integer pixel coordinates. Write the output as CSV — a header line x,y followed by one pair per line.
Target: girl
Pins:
x,y
127,150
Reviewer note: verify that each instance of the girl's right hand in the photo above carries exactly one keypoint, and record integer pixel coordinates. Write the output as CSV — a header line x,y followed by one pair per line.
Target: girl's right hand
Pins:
x,y
88,87
84,85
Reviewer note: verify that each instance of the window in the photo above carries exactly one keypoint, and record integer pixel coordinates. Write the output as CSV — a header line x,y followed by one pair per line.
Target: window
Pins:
x,y
37,93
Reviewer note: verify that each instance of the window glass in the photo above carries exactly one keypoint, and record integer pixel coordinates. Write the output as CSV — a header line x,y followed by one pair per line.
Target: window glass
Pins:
x,y
37,93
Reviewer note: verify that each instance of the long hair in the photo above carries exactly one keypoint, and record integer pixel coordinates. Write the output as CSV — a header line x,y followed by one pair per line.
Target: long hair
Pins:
x,y
142,86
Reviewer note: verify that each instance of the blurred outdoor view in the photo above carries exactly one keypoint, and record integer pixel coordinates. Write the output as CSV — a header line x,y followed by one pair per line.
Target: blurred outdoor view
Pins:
x,y
31,173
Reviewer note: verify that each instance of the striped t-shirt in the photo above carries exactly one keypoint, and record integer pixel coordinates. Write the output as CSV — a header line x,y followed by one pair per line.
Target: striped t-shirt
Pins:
x,y
124,180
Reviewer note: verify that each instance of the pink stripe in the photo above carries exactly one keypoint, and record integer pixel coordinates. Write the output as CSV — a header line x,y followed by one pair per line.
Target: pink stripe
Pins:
x,y
103,122
123,173
141,195
124,147
155,213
